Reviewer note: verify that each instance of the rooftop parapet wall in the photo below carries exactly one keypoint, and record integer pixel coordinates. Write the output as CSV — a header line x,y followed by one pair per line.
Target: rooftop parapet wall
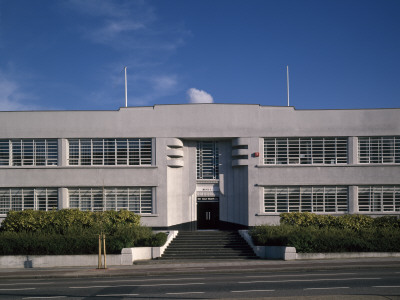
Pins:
x,y
200,121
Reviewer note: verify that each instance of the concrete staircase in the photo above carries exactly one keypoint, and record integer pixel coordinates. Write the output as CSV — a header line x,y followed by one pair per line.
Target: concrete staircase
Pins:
x,y
208,245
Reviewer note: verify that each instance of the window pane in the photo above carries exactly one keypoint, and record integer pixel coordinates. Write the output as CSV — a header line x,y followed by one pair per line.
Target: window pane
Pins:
x,y
17,152
4,152
29,199
73,152
5,201
86,152
122,151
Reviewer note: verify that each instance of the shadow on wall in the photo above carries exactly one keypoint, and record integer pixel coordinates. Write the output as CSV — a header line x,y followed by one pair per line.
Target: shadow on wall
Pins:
x,y
28,264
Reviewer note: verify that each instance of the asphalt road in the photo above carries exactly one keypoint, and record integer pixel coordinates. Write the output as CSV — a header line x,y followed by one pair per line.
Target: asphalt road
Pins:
x,y
377,282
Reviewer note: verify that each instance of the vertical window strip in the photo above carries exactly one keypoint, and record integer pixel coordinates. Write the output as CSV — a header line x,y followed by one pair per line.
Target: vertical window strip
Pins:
x,y
379,198
306,199
207,164
28,198
4,152
326,150
379,150
100,152
136,199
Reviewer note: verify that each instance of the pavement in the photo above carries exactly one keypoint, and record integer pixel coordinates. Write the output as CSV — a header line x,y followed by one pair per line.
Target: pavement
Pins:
x,y
165,267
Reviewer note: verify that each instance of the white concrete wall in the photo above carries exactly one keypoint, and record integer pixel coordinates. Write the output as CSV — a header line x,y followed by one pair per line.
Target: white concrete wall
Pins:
x,y
242,200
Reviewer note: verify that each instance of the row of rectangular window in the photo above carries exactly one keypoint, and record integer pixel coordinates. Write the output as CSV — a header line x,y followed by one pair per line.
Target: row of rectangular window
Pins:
x,y
332,150
379,198
136,199
306,199
379,150
28,198
330,199
29,152
92,152
326,150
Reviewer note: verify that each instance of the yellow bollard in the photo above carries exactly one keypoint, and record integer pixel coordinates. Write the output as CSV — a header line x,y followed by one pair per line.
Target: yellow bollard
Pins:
x,y
104,244
99,266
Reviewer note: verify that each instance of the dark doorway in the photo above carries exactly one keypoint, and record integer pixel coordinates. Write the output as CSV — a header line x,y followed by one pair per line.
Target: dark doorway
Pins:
x,y
207,215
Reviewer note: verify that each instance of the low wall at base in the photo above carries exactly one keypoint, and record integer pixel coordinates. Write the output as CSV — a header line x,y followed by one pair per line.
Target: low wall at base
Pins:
x,y
289,253
340,255
127,257
269,252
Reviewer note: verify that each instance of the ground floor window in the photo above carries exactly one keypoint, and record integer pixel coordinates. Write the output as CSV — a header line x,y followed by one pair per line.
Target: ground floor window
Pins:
x,y
28,198
379,198
306,199
136,199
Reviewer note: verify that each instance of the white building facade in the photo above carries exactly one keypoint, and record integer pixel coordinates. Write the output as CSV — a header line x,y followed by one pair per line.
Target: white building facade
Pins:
x,y
201,166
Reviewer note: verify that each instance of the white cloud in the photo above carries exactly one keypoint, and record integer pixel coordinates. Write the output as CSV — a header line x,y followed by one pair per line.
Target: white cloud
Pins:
x,y
11,97
199,96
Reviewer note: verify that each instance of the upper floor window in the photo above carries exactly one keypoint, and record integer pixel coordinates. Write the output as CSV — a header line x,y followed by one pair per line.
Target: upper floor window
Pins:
x,y
92,152
207,160
28,152
305,150
379,150
28,198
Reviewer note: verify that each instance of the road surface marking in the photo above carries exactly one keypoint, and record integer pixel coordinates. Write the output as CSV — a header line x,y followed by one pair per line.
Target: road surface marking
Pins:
x,y
145,280
22,289
25,283
298,275
185,293
117,295
134,285
307,280
386,286
250,291
328,288
49,297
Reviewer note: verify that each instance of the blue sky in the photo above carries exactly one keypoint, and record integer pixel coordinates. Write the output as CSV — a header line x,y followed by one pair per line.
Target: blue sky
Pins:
x,y
70,54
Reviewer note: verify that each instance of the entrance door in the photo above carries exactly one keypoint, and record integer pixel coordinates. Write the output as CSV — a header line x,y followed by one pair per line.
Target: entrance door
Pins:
x,y
207,215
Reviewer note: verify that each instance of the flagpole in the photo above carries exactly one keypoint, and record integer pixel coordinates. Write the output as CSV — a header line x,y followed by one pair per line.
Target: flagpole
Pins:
x,y
126,90
287,83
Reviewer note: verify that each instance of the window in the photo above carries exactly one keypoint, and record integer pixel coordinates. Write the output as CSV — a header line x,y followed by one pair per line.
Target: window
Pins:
x,y
379,150
324,199
28,198
207,160
136,199
4,152
292,151
110,152
29,152
379,198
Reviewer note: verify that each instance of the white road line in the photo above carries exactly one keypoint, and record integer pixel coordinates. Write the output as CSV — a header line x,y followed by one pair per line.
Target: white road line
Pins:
x,y
26,283
386,286
146,280
135,285
93,286
23,289
250,291
117,295
298,275
49,297
308,280
329,288
185,293
191,269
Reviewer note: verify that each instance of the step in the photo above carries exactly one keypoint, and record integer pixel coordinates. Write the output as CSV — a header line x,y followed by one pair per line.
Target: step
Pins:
x,y
208,245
